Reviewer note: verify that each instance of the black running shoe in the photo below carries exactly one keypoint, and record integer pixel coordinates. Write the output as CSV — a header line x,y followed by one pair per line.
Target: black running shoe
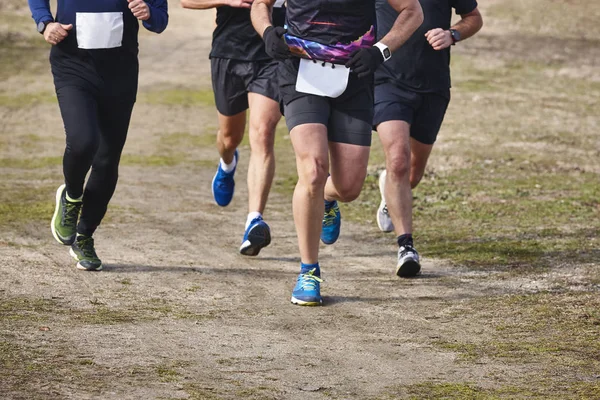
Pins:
x,y
85,254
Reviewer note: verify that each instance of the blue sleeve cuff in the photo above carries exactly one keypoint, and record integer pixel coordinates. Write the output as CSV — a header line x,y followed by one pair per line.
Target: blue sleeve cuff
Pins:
x,y
40,10
159,17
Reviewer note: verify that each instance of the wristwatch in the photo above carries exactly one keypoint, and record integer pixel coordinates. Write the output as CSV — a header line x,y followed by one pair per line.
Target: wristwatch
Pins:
x,y
41,26
455,35
385,51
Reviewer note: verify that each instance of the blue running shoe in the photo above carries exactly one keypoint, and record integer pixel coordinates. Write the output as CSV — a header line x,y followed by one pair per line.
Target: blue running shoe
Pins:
x,y
223,184
308,290
332,221
257,236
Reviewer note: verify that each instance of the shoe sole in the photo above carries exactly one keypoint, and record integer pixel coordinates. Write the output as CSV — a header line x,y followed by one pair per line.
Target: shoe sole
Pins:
x,y
81,267
306,303
329,243
382,203
258,237
408,269
59,239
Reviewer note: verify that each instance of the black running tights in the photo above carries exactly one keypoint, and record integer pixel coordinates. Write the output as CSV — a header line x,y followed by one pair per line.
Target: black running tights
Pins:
x,y
96,129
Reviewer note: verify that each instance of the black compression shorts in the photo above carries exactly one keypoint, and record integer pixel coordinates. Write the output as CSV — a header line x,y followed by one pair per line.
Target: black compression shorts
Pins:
x,y
348,118
233,79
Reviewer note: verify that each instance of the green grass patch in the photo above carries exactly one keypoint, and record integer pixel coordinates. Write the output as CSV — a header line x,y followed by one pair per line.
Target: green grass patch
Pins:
x,y
24,201
169,372
548,17
230,390
187,140
18,212
22,100
25,309
558,332
21,54
28,163
156,160
150,160
178,97
517,219
23,144
543,390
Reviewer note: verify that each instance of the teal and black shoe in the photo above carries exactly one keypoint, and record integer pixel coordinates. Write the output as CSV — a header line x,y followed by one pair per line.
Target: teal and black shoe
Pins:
x,y
64,220
84,252
332,221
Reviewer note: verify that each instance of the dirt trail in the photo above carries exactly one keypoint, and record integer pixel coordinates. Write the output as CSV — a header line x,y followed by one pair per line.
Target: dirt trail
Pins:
x,y
177,313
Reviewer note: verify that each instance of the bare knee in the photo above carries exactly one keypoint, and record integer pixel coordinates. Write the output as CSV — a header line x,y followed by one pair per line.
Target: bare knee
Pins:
x,y
229,139
349,192
262,138
398,168
313,175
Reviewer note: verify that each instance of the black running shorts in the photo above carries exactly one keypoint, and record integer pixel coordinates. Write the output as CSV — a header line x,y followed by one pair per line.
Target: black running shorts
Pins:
x,y
423,111
348,118
233,79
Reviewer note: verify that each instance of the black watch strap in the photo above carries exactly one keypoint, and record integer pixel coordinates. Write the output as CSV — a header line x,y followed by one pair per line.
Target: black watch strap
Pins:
x,y
41,26
455,36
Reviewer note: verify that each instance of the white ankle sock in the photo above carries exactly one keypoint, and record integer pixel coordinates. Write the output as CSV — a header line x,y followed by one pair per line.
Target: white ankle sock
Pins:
x,y
228,167
251,216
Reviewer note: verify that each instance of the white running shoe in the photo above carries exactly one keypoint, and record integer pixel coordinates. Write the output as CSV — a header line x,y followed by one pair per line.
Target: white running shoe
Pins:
x,y
383,216
408,262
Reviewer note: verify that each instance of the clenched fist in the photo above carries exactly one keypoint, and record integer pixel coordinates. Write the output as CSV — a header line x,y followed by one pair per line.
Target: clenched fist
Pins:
x,y
439,39
56,32
139,9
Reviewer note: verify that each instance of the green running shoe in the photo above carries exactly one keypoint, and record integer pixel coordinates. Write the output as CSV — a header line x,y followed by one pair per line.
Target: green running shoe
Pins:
x,y
64,220
83,251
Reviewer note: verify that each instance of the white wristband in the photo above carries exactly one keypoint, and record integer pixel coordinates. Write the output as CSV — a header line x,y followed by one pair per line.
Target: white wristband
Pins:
x,y
385,51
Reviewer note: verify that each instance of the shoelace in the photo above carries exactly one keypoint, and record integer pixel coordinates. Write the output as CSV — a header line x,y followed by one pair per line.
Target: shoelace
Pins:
x,y
70,212
309,281
87,247
329,218
385,210
407,249
225,180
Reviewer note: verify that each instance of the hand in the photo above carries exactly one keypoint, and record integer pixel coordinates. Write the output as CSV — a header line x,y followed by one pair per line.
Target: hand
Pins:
x,y
364,62
439,39
241,3
139,9
56,32
275,46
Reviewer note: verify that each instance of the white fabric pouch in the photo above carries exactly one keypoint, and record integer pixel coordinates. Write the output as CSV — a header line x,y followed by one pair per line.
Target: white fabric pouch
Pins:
x,y
99,30
322,79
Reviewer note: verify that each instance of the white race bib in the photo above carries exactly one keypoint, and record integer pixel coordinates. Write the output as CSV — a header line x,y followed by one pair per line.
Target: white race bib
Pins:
x,y
99,30
325,81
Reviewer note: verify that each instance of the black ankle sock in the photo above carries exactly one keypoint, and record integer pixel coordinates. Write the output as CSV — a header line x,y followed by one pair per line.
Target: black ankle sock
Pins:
x,y
405,240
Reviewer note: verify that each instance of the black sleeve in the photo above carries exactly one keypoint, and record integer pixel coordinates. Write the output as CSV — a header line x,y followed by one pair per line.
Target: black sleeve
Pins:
x,y
464,6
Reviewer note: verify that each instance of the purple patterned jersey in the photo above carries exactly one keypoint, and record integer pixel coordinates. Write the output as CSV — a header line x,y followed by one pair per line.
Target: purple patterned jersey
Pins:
x,y
334,53
330,30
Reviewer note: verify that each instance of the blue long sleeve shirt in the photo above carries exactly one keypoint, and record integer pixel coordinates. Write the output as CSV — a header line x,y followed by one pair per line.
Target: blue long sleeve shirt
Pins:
x,y
67,10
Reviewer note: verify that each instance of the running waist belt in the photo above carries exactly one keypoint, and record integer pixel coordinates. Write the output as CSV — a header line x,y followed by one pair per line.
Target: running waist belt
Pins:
x,y
336,54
